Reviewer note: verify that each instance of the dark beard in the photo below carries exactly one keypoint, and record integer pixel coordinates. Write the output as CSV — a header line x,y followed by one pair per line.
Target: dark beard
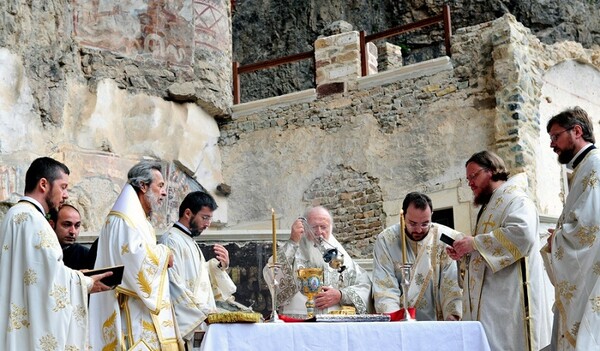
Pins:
x,y
408,234
484,197
566,156
194,230
50,205
49,202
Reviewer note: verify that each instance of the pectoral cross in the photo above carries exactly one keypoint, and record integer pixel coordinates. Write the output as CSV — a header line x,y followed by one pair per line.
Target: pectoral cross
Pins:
x,y
488,223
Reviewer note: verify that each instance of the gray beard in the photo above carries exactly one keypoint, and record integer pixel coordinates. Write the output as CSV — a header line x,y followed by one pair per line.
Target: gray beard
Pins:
x,y
310,253
154,204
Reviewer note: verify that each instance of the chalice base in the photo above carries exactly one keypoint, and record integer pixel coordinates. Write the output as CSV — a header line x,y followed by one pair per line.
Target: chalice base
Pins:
x,y
310,308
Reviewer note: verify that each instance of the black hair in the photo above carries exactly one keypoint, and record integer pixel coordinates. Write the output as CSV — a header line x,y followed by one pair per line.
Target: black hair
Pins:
x,y
195,201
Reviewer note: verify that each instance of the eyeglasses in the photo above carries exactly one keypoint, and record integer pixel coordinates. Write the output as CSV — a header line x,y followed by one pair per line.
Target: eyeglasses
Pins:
x,y
474,176
206,218
554,137
414,225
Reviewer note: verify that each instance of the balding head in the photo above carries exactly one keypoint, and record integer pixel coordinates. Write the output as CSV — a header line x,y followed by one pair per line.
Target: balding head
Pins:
x,y
320,220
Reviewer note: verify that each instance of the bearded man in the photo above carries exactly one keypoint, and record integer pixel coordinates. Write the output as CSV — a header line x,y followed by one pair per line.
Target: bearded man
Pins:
x,y
434,289
139,316
573,251
43,305
194,282
504,271
350,287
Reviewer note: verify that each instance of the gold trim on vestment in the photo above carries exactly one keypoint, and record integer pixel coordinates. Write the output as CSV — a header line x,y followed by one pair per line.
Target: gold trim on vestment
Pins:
x,y
123,217
526,305
563,320
507,244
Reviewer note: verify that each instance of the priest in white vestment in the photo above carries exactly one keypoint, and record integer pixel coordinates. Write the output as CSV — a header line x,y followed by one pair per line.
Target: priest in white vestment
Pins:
x,y
433,289
43,304
139,316
351,287
194,282
573,251
503,282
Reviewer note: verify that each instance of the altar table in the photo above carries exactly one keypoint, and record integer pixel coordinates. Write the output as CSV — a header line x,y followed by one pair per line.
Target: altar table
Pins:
x,y
340,336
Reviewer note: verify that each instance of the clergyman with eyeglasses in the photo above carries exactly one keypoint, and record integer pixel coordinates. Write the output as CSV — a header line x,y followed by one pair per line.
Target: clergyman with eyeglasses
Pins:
x,y
503,283
573,250
433,289
191,278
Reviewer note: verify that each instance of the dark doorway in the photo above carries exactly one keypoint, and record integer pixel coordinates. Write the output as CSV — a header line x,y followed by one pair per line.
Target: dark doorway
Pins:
x,y
444,216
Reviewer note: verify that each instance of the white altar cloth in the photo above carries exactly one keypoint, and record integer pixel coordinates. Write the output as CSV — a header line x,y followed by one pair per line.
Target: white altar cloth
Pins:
x,y
340,336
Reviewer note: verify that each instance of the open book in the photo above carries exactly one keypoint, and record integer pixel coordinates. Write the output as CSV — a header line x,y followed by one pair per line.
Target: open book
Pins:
x,y
113,280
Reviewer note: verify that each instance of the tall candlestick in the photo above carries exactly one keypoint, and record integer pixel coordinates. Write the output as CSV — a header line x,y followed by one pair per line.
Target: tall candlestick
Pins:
x,y
274,236
403,236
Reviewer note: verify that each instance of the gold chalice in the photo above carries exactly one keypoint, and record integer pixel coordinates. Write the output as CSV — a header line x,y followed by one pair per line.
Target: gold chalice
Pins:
x,y
312,281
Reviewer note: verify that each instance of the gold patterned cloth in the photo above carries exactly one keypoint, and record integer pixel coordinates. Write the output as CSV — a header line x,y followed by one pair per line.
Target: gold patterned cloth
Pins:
x,y
506,261
195,283
575,260
43,303
140,316
433,289
234,317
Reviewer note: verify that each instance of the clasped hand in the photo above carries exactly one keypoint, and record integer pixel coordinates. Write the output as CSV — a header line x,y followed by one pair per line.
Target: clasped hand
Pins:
x,y
327,297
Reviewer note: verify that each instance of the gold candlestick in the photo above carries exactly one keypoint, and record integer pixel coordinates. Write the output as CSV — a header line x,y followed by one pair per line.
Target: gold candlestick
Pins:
x,y
403,237
274,236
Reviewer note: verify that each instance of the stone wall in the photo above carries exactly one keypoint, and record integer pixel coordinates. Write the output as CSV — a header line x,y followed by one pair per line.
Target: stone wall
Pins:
x,y
411,132
356,204
68,91
294,25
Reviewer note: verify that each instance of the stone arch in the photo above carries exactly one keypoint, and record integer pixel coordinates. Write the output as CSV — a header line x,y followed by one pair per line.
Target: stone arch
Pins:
x,y
356,203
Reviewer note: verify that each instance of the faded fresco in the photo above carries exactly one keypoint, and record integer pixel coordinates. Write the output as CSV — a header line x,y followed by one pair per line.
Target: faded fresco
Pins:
x,y
212,25
159,30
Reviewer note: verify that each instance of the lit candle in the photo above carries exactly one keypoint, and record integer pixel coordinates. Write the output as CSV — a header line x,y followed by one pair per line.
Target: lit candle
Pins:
x,y
403,236
274,236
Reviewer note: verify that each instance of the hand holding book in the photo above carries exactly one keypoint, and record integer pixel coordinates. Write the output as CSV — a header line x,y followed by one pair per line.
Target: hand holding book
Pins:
x,y
105,278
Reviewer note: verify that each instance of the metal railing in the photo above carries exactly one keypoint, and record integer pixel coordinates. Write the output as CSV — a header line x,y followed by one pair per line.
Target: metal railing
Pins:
x,y
444,17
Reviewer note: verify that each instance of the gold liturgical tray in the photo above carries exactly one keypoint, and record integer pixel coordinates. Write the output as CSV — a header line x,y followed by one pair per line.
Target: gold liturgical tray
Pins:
x,y
234,317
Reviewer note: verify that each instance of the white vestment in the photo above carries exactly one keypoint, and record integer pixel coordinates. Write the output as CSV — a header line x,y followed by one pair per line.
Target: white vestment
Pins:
x,y
194,283
433,288
139,315
506,261
355,285
575,260
43,304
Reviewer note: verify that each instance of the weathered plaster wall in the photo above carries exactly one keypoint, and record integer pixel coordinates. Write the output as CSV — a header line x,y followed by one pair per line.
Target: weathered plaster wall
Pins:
x,y
67,90
100,85
413,134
